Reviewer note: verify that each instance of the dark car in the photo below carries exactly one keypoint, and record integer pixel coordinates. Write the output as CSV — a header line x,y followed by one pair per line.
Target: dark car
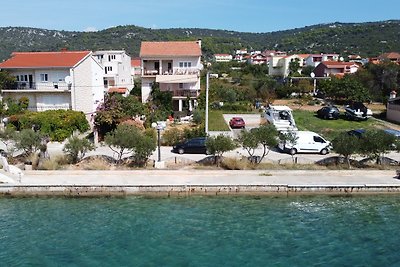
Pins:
x,y
237,122
192,146
328,112
357,132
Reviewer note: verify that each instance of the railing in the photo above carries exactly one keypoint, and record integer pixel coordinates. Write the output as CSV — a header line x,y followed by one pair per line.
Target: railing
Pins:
x,y
186,93
178,71
50,107
40,86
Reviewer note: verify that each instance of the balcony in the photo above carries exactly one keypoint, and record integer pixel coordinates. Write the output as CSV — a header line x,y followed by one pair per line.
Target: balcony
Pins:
x,y
38,87
44,107
175,71
185,93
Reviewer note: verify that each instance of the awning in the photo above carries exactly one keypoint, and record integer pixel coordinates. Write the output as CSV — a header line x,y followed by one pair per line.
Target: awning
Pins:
x,y
176,78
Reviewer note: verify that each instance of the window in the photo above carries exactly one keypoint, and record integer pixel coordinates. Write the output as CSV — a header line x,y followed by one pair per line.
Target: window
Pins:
x,y
185,64
111,57
318,139
44,77
181,86
107,69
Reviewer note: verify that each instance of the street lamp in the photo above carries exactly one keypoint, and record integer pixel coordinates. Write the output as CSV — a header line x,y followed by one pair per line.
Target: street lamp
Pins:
x,y
314,82
159,126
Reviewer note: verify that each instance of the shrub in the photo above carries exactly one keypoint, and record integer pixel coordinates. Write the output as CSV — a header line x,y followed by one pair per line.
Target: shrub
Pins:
x,y
218,145
57,124
28,140
128,139
76,148
172,136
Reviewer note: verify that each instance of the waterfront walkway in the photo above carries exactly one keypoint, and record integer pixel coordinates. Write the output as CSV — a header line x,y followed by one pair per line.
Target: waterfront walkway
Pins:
x,y
200,182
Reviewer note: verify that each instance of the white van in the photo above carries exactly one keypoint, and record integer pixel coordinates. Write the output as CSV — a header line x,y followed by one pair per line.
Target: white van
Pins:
x,y
306,142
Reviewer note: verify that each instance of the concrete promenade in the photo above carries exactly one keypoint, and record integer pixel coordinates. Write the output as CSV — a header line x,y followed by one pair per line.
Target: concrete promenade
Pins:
x,y
205,182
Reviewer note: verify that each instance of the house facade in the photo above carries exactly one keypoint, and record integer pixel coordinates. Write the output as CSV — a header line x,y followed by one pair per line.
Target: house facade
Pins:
x,y
117,70
175,66
332,68
279,65
56,80
315,59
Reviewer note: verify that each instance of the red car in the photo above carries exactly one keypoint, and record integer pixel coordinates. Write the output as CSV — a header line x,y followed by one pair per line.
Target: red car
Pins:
x,y
237,122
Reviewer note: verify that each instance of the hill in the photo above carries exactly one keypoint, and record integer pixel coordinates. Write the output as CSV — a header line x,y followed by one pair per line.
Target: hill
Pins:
x,y
366,39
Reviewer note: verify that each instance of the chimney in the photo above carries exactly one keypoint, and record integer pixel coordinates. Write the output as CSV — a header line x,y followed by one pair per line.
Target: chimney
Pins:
x,y
393,94
199,42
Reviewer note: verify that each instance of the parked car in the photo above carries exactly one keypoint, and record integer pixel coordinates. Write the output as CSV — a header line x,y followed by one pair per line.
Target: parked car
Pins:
x,y
237,122
281,117
307,142
357,111
356,132
328,112
192,146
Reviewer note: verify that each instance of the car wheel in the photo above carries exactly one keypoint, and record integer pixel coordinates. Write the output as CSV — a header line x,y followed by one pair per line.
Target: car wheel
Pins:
x,y
292,151
181,151
324,151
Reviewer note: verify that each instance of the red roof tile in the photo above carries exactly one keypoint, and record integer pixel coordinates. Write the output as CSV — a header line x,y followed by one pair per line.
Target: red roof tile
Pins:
x,y
337,64
136,62
64,59
179,48
119,90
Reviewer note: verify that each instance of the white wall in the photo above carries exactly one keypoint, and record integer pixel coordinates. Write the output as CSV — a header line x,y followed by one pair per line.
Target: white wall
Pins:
x,y
87,86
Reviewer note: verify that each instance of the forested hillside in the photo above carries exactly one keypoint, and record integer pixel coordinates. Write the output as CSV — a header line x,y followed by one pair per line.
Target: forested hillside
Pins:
x,y
366,39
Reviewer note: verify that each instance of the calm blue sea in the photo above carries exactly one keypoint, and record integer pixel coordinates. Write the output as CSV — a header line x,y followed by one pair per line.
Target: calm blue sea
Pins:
x,y
200,231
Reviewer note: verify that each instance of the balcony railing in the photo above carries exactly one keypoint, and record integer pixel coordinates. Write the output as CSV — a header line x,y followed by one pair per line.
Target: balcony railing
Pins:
x,y
186,93
65,106
39,86
176,71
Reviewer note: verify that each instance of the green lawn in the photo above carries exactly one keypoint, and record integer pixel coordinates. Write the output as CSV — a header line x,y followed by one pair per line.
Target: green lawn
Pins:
x,y
306,120
216,121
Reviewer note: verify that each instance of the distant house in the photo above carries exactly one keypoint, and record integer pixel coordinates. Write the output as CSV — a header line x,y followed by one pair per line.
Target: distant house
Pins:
x,y
136,65
258,59
333,68
176,66
222,57
391,56
279,65
315,59
117,70
56,80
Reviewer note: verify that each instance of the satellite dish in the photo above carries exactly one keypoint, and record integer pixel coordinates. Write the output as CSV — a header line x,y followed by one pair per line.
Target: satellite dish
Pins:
x,y
201,66
312,74
341,59
68,79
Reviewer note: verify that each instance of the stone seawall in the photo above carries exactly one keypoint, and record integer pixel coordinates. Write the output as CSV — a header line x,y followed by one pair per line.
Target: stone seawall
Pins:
x,y
188,190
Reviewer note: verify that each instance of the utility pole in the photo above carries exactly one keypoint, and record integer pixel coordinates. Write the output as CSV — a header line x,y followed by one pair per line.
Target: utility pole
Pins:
x,y
207,85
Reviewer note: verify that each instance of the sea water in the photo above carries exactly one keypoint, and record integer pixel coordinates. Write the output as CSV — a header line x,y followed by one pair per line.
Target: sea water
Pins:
x,y
200,231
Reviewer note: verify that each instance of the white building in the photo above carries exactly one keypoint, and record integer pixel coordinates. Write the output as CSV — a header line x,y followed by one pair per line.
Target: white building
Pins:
x,y
56,80
117,70
176,67
222,57
279,65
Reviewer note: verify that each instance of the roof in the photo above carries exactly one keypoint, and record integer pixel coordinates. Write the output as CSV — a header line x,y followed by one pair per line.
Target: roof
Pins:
x,y
136,62
222,55
119,90
63,59
337,64
174,48
390,55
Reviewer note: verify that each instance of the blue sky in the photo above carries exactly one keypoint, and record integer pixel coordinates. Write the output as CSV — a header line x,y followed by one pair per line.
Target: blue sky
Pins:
x,y
245,16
